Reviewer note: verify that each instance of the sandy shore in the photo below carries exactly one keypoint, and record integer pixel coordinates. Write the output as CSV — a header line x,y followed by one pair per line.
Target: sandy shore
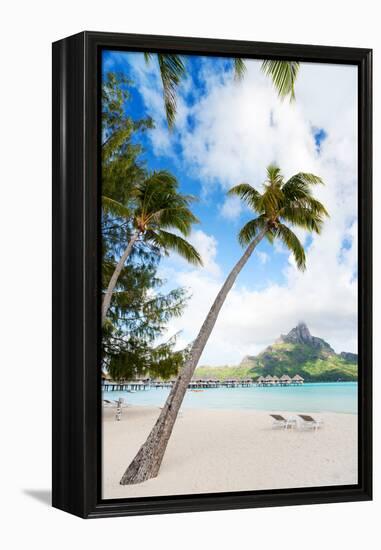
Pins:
x,y
218,450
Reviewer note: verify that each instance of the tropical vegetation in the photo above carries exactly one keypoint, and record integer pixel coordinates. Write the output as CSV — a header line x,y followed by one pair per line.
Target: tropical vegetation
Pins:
x,y
139,211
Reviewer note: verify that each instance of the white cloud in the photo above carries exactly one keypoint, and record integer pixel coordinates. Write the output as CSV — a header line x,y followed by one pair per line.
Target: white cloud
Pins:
x,y
207,247
231,208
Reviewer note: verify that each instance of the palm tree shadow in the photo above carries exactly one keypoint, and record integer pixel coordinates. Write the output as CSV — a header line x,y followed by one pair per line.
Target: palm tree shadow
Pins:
x,y
42,495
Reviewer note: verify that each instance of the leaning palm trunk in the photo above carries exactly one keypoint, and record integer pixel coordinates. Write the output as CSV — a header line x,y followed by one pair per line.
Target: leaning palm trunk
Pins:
x,y
114,279
147,462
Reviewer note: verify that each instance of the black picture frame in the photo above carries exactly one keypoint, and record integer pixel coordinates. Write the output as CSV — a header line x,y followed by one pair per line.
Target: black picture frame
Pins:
x,y
76,299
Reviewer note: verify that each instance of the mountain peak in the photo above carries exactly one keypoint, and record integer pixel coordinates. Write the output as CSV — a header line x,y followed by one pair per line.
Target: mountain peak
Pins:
x,y
298,352
301,335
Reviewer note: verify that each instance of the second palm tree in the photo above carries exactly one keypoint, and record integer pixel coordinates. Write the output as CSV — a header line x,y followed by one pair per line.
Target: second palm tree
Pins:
x,y
157,209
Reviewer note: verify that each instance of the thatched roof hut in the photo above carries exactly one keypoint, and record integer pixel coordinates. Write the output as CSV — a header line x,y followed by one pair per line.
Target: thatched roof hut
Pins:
x,y
260,380
276,379
269,379
285,379
298,379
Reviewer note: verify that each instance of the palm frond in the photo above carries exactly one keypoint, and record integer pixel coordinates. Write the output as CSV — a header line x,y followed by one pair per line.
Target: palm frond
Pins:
x,y
283,75
291,241
115,208
150,191
303,217
162,178
172,70
302,181
297,192
271,200
250,230
179,217
248,194
170,241
274,175
239,68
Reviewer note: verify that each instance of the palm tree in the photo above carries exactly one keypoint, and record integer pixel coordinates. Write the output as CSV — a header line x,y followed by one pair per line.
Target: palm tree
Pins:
x,y
282,203
157,209
172,71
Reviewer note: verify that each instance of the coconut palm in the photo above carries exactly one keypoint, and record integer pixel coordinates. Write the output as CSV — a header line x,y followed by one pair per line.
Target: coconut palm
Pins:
x,y
280,205
157,209
172,71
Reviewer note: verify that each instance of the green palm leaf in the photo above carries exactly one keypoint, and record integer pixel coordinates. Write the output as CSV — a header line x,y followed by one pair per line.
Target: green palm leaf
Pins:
x,y
303,217
250,230
291,241
301,183
248,194
170,241
283,75
115,208
239,68
172,70
179,217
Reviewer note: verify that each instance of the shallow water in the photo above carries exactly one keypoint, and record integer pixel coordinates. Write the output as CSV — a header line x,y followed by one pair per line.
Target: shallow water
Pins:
x,y
330,397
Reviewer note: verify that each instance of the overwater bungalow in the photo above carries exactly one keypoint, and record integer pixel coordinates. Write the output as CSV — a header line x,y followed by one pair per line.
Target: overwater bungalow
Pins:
x,y
260,380
269,380
285,379
297,379
276,379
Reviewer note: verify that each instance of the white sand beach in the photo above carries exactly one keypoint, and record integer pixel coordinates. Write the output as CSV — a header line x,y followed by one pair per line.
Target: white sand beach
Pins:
x,y
230,450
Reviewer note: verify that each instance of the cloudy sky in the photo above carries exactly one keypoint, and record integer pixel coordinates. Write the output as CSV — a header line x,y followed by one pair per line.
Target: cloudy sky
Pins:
x,y
228,132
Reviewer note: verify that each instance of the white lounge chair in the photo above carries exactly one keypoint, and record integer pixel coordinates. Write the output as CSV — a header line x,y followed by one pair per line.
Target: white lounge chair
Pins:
x,y
308,422
280,422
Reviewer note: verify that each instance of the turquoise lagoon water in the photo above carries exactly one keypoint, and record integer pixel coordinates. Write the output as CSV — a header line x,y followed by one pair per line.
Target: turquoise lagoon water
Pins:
x,y
329,397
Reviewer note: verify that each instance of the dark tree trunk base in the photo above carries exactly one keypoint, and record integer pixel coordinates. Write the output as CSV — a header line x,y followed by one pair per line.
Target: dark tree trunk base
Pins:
x,y
139,470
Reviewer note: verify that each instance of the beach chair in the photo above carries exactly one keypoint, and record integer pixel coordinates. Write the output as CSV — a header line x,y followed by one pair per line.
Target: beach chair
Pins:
x,y
119,405
308,422
280,422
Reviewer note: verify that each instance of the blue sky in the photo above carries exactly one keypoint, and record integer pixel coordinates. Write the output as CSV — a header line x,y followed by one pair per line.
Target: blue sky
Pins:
x,y
227,132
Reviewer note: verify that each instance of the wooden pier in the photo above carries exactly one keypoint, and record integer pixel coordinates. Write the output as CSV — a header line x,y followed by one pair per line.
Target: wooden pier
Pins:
x,y
126,386
203,384
194,385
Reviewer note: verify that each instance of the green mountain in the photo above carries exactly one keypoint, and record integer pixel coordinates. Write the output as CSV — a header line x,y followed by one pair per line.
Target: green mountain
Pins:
x,y
297,352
